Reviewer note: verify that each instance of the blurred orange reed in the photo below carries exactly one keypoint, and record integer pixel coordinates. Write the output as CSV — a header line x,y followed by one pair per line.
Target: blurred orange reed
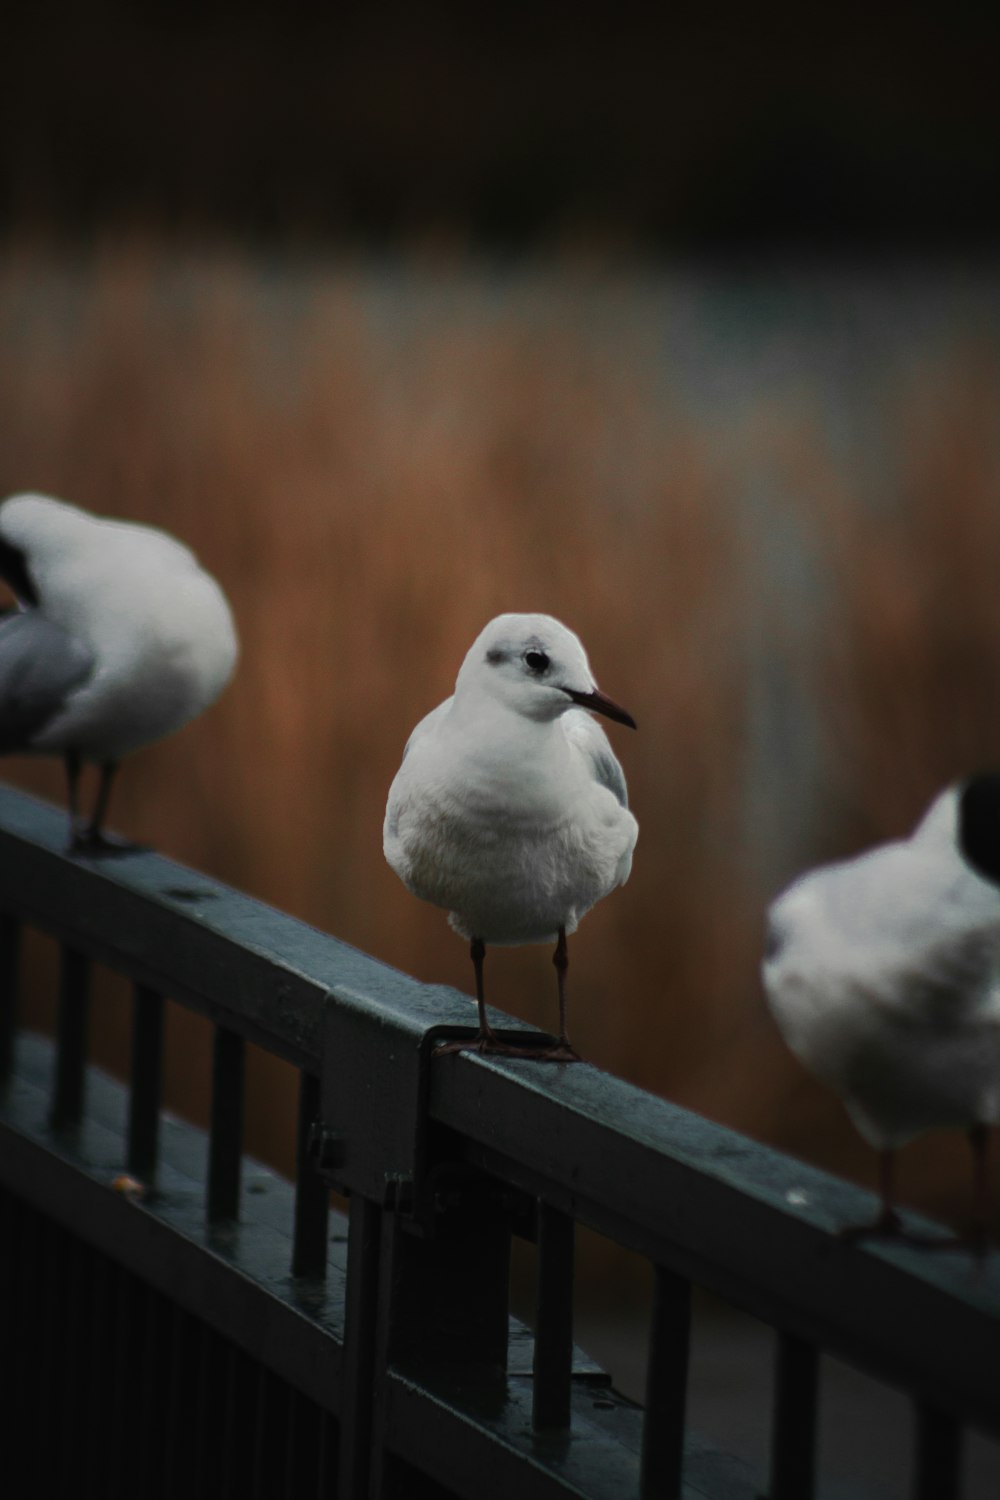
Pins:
x,y
911,665
376,462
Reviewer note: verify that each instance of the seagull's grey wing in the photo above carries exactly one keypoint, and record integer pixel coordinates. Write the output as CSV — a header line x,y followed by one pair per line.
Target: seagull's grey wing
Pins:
x,y
917,931
398,792
953,977
587,735
40,663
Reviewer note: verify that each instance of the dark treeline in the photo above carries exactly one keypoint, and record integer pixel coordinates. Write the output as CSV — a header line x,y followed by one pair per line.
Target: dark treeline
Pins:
x,y
387,121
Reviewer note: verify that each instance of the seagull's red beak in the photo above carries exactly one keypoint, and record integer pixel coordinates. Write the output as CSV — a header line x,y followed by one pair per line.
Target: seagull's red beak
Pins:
x,y
599,704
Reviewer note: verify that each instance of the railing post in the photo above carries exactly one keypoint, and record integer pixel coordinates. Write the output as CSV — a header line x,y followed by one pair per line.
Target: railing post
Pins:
x,y
939,1454
666,1387
146,1082
312,1195
71,1037
443,1310
793,1433
10,964
553,1361
358,1367
447,1288
225,1150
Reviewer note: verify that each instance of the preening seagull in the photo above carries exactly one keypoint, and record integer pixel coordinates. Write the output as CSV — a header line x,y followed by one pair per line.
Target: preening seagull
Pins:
x,y
509,809
119,638
883,974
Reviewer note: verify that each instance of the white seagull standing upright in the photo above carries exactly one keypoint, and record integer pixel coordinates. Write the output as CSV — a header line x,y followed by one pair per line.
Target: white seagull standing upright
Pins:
x,y
883,974
509,809
119,638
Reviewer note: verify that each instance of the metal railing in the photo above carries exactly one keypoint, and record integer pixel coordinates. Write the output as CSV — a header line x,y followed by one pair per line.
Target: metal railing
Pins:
x,y
220,1331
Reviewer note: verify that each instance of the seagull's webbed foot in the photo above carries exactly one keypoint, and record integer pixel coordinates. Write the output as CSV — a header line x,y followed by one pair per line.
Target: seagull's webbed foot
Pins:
x,y
91,843
490,1045
559,1052
887,1225
486,1044
486,1041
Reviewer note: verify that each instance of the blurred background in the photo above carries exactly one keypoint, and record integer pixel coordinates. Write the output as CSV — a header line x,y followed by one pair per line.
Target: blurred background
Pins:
x,y
683,327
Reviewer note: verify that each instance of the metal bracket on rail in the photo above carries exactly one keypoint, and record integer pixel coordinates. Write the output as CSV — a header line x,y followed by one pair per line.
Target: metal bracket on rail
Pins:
x,y
374,1137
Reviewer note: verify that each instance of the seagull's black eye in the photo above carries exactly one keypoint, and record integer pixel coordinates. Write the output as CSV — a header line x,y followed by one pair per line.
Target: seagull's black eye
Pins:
x,y
536,661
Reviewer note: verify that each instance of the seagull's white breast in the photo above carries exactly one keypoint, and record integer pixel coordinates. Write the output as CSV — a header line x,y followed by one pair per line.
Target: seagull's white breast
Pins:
x,y
883,974
506,828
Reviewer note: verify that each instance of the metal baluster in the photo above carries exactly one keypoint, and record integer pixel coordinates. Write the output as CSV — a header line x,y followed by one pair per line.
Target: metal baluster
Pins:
x,y
270,1434
149,1381
172,1476
10,965
237,1448
9,1234
358,1366
125,1459
299,1477
146,1082
35,1404
666,1387
553,1362
207,1415
77,1377
101,1340
939,1454
312,1196
71,1037
793,1434
225,1151
329,1437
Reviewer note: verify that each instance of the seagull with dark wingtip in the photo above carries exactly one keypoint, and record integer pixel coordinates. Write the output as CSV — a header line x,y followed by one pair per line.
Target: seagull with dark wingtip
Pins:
x,y
883,974
119,638
510,809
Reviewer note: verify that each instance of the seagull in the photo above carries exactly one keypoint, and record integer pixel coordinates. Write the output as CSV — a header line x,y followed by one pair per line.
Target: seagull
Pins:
x,y
509,809
118,638
883,975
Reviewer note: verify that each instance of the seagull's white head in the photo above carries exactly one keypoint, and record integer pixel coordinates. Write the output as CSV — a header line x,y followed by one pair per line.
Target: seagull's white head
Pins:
x,y
39,534
31,528
534,666
29,521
